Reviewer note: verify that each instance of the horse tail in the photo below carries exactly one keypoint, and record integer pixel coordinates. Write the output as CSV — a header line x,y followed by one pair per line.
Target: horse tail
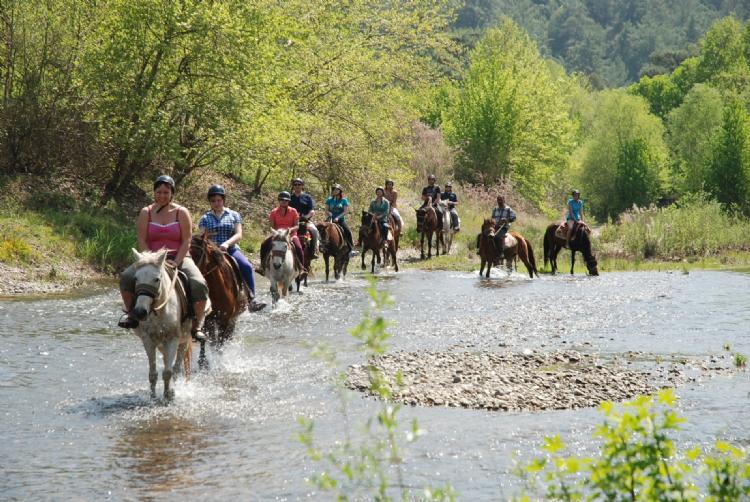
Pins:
x,y
532,260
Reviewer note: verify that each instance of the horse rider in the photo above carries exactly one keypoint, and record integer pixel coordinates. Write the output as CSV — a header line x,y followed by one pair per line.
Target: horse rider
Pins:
x,y
452,200
166,225
337,207
431,196
391,196
503,216
305,206
379,208
574,215
284,217
224,227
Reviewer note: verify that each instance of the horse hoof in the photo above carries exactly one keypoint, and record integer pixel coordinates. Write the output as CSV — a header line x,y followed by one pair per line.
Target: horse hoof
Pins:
x,y
169,395
203,363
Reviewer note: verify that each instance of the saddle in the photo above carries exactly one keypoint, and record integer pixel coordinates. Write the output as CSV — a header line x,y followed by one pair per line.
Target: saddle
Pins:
x,y
509,241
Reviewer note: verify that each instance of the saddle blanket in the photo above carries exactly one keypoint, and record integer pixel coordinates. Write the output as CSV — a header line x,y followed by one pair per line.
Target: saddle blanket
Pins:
x,y
509,241
562,231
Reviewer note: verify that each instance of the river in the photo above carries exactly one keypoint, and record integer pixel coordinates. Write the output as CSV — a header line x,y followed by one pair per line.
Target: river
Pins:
x,y
78,423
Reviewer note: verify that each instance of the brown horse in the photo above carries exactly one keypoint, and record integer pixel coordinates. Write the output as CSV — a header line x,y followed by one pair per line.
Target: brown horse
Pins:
x,y
332,243
581,241
487,251
305,238
428,224
371,239
515,247
226,288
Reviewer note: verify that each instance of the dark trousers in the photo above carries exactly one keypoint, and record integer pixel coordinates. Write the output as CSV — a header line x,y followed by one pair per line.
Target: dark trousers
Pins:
x,y
499,237
347,232
246,268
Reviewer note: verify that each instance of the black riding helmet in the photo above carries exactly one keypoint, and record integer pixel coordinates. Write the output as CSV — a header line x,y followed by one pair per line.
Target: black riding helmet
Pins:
x,y
217,190
164,180
285,195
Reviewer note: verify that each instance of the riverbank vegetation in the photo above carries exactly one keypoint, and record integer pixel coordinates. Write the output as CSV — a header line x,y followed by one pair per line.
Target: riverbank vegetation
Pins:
x,y
98,100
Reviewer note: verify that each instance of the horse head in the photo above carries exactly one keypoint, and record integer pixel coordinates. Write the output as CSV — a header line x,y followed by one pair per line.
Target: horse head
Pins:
x,y
280,245
488,228
150,280
583,236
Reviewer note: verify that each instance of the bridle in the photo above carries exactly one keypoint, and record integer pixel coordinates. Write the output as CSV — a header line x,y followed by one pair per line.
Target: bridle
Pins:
x,y
156,292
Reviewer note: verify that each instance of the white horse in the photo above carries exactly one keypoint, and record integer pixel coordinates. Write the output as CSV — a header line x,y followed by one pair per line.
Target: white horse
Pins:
x,y
447,227
279,266
159,310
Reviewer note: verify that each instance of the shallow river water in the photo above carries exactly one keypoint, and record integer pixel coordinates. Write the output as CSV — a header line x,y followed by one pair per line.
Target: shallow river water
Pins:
x,y
77,422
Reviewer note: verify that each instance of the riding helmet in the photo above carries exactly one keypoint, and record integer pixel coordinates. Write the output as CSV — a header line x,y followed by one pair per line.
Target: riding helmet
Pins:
x,y
166,180
298,180
431,177
379,188
216,190
448,185
388,180
285,195
576,192
337,186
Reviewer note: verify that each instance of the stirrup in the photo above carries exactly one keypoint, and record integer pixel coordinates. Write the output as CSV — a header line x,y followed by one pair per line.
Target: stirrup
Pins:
x,y
127,322
198,335
255,306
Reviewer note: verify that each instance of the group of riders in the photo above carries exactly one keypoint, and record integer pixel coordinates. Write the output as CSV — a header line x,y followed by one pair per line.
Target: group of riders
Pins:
x,y
167,225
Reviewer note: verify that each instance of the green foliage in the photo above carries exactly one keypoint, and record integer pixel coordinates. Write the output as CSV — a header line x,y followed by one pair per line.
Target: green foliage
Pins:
x,y
626,151
638,460
696,226
729,168
14,250
740,360
368,466
510,121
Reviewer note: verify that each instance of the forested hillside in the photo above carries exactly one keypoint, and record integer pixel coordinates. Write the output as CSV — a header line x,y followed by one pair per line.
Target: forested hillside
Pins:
x,y
613,41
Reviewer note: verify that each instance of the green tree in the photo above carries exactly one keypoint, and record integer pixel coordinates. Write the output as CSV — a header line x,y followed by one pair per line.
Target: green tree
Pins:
x,y
729,170
626,146
511,122
692,128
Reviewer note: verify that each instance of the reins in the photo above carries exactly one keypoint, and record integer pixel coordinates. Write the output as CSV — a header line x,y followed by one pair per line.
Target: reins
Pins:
x,y
166,293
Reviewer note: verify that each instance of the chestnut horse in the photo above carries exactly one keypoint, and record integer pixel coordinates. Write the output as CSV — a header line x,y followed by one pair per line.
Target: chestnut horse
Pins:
x,y
305,238
332,243
428,224
226,289
581,241
370,238
516,246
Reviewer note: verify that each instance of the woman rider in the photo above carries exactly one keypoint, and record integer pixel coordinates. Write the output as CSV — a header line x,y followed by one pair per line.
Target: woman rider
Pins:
x,y
224,227
283,217
392,196
165,225
337,207
380,208
574,214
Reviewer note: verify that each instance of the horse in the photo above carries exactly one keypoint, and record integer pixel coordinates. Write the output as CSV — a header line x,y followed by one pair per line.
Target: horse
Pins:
x,y
371,239
521,249
226,289
280,266
332,243
447,230
580,241
487,251
161,309
305,238
427,224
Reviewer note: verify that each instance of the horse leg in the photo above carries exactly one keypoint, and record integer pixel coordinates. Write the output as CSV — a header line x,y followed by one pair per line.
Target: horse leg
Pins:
x,y
170,354
153,375
572,261
274,291
364,250
393,257
326,257
372,263
421,246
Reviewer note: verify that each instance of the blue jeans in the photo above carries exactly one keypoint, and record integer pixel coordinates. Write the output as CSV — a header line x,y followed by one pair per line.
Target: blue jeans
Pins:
x,y
246,268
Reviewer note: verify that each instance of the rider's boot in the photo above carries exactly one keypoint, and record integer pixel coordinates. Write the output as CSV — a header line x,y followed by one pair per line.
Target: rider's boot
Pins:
x,y
127,320
254,305
200,314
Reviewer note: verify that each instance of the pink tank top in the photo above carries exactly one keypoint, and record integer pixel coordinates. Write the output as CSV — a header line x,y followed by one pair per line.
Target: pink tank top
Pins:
x,y
167,236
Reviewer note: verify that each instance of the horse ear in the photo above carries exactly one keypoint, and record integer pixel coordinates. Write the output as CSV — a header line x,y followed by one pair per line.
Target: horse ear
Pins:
x,y
162,257
136,254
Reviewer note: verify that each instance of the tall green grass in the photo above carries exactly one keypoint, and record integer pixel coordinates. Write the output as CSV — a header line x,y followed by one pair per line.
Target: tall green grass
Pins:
x,y
695,227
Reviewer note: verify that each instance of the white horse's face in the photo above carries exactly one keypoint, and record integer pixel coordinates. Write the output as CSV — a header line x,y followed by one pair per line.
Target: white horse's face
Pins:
x,y
147,286
278,253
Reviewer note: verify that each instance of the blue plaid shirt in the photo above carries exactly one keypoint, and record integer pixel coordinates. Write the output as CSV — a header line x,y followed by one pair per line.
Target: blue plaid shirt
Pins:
x,y
220,229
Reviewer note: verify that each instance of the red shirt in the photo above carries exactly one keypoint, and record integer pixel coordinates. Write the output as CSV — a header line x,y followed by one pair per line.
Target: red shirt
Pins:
x,y
280,221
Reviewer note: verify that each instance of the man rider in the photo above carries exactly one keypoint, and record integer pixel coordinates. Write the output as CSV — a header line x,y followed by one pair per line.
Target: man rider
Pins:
x,y
452,199
503,216
305,206
431,195
574,214
391,196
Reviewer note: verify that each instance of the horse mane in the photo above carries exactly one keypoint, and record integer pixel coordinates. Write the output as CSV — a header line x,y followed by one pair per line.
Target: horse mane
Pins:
x,y
150,258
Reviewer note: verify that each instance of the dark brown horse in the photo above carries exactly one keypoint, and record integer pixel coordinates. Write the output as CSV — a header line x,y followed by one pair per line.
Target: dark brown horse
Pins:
x,y
581,241
429,224
226,288
305,238
371,239
487,252
332,243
